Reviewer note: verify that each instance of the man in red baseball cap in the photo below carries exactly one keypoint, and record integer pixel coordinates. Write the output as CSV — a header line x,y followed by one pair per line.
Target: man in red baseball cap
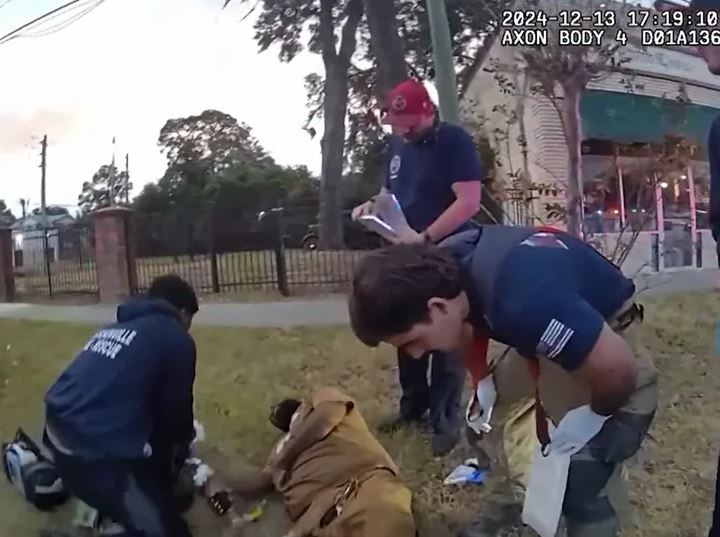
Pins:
x,y
435,173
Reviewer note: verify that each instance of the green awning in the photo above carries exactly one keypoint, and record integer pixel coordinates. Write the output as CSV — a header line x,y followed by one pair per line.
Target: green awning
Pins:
x,y
627,118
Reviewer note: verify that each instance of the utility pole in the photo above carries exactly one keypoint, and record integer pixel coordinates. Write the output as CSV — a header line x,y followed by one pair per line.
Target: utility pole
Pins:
x,y
43,167
43,211
127,178
445,78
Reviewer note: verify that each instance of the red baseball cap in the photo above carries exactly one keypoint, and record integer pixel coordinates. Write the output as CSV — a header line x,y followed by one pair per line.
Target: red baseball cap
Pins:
x,y
407,103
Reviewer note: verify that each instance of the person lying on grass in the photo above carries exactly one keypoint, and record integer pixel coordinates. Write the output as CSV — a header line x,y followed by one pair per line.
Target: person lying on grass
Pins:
x,y
334,476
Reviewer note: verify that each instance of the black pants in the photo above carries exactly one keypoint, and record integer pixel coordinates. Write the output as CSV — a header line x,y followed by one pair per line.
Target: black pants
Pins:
x,y
442,396
138,495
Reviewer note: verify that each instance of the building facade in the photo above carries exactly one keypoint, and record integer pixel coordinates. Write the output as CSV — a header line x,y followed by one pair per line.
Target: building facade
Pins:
x,y
644,163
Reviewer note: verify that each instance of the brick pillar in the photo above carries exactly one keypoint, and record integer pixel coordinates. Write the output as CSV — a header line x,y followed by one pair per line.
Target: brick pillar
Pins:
x,y
7,274
114,254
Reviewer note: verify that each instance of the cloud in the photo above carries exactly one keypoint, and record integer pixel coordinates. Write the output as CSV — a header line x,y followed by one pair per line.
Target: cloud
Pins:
x,y
17,132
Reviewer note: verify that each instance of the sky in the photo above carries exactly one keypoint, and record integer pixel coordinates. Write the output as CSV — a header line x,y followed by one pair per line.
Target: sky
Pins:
x,y
122,71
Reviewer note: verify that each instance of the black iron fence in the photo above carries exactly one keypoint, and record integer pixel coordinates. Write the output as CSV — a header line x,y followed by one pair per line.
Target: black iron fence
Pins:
x,y
56,260
223,250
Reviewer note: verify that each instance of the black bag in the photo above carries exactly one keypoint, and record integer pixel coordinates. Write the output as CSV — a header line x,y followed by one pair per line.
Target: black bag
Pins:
x,y
32,473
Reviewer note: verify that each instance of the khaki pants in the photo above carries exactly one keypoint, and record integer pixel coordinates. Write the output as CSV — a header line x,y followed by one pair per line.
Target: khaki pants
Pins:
x,y
596,502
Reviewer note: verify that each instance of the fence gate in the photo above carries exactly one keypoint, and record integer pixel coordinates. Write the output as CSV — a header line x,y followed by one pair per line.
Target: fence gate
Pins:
x,y
55,261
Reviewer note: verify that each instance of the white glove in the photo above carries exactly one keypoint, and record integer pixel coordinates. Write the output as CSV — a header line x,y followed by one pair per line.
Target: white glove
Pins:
x,y
199,433
480,407
575,430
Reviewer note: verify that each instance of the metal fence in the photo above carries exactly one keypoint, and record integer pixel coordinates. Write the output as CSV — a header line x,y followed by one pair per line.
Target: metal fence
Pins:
x,y
55,261
222,250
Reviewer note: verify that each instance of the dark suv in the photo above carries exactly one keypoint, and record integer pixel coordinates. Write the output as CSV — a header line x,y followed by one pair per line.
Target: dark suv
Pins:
x,y
357,236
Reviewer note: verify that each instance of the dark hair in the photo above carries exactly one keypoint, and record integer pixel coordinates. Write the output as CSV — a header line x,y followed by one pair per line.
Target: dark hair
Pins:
x,y
282,413
392,286
176,291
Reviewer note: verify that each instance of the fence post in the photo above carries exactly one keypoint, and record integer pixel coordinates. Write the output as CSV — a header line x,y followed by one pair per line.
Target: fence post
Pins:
x,y
214,275
7,274
114,254
280,265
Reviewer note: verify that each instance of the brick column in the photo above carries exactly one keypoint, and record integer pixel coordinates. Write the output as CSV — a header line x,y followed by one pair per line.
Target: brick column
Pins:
x,y
114,254
7,274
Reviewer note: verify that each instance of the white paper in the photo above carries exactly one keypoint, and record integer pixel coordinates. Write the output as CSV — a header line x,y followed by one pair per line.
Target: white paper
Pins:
x,y
545,492
373,223
386,218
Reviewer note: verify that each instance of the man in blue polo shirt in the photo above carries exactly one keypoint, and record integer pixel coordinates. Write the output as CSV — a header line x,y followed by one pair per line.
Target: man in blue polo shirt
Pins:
x,y
435,173
571,318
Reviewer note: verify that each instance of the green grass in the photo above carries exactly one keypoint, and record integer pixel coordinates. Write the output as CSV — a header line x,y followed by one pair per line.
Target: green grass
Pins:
x,y
242,371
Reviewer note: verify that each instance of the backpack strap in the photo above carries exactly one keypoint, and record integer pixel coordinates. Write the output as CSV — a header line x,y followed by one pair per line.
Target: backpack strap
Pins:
x,y
493,246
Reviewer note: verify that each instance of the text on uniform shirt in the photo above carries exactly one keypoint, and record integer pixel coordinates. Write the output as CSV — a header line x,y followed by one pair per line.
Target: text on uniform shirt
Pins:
x,y
110,342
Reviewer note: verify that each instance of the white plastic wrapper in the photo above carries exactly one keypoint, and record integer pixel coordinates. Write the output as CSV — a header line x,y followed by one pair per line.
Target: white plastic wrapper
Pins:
x,y
545,492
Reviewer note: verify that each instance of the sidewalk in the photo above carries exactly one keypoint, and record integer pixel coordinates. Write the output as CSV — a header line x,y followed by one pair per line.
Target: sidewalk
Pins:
x,y
327,312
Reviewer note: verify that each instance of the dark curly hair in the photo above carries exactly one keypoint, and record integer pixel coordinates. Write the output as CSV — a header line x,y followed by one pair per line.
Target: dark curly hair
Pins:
x,y
392,286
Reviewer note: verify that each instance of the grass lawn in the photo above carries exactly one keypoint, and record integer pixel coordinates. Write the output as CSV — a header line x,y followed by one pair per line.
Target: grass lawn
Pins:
x,y
242,371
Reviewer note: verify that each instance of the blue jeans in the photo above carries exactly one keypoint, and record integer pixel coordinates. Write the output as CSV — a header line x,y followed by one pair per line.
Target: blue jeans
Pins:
x,y
442,396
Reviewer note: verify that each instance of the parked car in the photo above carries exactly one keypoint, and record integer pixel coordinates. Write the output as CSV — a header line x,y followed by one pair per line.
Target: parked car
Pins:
x,y
357,237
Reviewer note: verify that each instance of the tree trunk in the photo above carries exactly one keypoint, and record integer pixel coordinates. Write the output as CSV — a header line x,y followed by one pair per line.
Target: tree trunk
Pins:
x,y
386,45
573,138
333,146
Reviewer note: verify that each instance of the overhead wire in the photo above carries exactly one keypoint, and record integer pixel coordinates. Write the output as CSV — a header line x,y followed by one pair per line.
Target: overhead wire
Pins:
x,y
73,6
64,24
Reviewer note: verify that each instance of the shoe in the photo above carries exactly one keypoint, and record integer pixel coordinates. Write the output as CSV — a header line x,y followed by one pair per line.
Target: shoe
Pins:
x,y
444,443
395,422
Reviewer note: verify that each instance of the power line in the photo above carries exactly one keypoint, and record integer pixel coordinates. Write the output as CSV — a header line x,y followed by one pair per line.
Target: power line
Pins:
x,y
62,25
50,15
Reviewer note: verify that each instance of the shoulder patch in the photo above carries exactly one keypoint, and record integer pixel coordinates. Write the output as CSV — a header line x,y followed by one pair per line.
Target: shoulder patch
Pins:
x,y
544,240
554,339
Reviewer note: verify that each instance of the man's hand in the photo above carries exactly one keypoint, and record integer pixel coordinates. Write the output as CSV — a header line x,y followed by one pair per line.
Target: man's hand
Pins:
x,y
362,210
410,237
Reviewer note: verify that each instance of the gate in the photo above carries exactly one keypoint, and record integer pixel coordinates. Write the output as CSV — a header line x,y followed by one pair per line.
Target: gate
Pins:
x,y
55,261
222,249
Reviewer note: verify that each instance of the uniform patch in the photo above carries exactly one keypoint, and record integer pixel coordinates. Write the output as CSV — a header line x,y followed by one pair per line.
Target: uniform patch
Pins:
x,y
554,339
544,240
395,164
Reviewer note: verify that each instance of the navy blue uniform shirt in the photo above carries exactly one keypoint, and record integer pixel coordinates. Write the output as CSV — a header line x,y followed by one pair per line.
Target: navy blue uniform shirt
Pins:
x,y
132,382
551,296
421,174
713,148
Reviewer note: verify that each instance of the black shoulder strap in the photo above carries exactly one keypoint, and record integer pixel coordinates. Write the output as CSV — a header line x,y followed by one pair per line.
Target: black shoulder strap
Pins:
x,y
494,245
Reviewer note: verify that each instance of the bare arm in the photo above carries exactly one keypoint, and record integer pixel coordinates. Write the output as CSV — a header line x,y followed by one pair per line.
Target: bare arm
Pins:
x,y
610,371
242,481
465,206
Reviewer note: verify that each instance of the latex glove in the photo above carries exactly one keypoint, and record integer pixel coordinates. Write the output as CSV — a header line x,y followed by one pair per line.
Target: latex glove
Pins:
x,y
575,430
480,407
